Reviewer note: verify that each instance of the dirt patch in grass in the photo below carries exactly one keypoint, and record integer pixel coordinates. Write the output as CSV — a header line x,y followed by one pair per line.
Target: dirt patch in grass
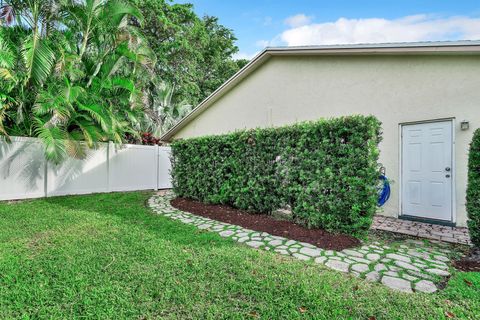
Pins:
x,y
266,223
471,262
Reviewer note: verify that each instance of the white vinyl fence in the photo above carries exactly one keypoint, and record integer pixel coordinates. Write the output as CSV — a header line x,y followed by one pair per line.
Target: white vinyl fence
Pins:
x,y
24,172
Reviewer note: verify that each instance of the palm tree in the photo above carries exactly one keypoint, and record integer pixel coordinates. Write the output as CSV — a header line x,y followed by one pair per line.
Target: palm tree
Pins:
x,y
164,113
78,76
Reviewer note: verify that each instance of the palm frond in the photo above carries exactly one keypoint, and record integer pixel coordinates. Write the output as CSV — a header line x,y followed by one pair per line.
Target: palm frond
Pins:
x,y
7,56
74,147
6,74
3,116
53,139
116,10
38,59
99,115
91,133
124,83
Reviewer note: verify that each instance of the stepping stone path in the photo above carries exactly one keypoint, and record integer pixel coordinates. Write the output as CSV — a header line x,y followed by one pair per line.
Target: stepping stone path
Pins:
x,y
414,266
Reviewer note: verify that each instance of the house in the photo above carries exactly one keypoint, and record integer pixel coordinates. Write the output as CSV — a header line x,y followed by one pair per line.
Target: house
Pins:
x,y
427,96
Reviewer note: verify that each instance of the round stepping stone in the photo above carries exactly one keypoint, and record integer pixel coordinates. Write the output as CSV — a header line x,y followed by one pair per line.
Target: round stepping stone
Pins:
x,y
360,260
243,239
282,251
441,258
373,276
409,277
438,272
380,267
311,252
406,265
352,253
254,244
275,243
373,256
360,267
308,245
420,265
301,256
290,242
397,284
425,286
320,260
337,265
398,257
420,274
226,233
242,234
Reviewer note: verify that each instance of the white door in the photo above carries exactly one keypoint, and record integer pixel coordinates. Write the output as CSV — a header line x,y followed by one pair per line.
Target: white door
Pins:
x,y
427,170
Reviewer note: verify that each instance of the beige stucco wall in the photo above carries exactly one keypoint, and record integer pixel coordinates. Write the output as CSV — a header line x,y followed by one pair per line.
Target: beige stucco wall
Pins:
x,y
396,89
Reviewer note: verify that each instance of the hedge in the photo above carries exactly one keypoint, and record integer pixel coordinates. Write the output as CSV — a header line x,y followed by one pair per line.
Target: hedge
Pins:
x,y
326,171
473,189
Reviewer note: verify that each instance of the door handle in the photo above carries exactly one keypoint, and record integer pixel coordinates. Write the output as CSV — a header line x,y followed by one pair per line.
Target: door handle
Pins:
x,y
447,169
447,176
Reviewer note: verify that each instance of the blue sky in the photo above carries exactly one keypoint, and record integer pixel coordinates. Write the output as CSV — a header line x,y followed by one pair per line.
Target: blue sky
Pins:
x,y
260,23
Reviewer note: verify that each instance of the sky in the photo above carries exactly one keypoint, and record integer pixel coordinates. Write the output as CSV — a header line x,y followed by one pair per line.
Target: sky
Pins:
x,y
261,23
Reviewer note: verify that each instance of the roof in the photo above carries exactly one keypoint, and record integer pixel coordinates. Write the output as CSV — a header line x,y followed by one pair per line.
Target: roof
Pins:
x,y
438,47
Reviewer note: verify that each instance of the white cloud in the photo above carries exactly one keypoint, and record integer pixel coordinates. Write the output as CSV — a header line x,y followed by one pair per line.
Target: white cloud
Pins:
x,y
262,43
298,20
375,30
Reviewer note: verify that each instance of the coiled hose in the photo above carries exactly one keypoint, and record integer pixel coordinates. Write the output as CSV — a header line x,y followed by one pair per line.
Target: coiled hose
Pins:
x,y
383,190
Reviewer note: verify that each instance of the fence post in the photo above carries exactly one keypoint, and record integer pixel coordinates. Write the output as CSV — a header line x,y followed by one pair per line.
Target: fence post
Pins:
x,y
45,177
157,166
109,146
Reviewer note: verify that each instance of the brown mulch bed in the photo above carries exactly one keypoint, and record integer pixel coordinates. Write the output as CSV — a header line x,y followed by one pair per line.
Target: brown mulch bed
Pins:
x,y
470,262
266,223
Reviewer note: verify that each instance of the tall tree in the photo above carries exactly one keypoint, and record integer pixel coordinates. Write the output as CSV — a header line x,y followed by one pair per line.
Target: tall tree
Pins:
x,y
72,71
194,54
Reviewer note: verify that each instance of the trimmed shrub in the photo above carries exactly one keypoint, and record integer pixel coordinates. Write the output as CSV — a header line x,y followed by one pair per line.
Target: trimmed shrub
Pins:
x,y
326,171
473,189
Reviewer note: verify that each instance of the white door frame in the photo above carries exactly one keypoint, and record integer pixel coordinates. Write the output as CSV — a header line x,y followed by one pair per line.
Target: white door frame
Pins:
x,y
454,167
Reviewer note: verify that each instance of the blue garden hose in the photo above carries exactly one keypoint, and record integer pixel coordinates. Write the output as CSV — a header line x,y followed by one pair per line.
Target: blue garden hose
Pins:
x,y
383,190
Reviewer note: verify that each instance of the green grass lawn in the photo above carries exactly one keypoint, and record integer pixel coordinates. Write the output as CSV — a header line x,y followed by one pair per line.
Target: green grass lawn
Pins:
x,y
107,256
